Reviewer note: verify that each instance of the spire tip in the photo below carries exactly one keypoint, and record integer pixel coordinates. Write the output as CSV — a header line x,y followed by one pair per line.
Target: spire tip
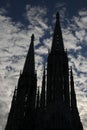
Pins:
x,y
57,15
32,37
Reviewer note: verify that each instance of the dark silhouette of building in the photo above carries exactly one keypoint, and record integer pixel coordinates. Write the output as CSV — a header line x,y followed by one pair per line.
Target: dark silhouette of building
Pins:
x,y
55,107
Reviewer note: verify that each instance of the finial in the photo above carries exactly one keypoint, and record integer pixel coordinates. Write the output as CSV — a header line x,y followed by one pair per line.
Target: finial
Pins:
x,y
57,15
32,37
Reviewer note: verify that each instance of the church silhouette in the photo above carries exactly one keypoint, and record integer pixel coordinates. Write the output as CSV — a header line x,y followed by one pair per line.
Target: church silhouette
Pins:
x,y
56,106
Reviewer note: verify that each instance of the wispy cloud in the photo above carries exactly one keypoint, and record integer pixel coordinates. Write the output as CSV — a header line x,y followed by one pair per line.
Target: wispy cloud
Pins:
x,y
75,39
8,68
14,43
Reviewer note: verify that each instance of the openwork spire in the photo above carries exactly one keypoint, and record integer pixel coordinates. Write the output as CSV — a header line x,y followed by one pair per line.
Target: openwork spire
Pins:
x,y
57,43
29,67
50,109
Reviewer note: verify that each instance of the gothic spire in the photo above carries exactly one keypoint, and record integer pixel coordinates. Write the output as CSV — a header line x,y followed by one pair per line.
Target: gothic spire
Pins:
x,y
57,43
73,95
29,66
42,100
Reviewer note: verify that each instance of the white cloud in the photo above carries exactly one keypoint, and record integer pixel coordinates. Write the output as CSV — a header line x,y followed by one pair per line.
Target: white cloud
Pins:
x,y
80,35
75,40
36,16
9,36
14,44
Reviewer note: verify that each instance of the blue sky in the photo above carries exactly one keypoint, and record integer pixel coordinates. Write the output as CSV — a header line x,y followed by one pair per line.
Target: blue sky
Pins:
x,y
18,20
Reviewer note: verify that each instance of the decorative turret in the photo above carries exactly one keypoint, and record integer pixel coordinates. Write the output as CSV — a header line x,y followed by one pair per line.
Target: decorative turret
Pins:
x,y
42,100
57,43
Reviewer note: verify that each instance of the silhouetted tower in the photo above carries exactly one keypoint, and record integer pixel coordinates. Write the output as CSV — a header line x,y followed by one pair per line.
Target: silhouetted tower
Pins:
x,y
57,69
55,107
26,92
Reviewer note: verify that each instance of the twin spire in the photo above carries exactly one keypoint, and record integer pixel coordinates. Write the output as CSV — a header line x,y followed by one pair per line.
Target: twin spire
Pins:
x,y
57,45
50,108
29,67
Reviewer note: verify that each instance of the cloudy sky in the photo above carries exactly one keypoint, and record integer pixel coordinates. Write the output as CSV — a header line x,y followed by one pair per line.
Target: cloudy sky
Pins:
x,y
18,20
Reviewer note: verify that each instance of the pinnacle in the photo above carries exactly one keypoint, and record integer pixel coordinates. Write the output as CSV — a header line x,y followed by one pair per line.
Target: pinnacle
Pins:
x,y
32,38
57,15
